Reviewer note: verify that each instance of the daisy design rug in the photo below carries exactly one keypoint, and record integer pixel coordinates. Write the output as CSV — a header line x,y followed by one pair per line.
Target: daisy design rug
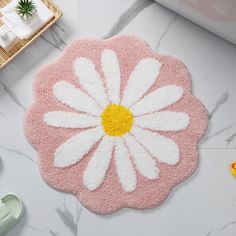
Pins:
x,y
115,124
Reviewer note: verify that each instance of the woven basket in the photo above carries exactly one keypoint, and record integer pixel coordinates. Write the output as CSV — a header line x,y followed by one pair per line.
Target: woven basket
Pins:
x,y
6,57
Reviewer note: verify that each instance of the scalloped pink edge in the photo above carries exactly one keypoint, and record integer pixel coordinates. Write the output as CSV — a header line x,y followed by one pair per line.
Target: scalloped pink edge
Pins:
x,y
110,197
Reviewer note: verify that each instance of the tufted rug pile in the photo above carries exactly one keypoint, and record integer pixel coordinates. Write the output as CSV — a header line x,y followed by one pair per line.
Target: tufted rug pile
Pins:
x,y
115,124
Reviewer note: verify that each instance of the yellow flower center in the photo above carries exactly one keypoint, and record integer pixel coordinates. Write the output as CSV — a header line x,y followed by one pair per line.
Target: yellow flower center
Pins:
x,y
117,120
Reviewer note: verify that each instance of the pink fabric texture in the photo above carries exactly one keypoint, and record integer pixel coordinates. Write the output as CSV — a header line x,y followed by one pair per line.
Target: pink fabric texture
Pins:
x,y
110,196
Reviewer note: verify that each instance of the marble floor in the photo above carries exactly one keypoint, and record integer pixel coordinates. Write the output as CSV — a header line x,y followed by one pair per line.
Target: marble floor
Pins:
x,y
204,205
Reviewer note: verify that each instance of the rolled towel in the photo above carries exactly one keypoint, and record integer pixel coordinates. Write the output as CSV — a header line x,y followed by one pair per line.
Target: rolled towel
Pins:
x,y
7,38
25,29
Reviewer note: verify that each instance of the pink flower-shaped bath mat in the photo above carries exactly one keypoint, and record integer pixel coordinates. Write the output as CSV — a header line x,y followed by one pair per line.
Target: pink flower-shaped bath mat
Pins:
x,y
115,124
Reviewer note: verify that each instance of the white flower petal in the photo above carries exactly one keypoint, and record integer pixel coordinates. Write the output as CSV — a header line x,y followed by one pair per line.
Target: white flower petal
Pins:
x,y
124,166
162,148
157,100
73,97
141,79
111,70
90,80
70,120
74,149
143,161
95,172
163,121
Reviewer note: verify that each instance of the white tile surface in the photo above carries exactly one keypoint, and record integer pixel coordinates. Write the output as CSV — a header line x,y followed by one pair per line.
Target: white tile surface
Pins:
x,y
203,205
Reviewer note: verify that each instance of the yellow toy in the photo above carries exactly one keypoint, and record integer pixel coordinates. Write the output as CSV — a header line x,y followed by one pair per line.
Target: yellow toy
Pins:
x,y
233,169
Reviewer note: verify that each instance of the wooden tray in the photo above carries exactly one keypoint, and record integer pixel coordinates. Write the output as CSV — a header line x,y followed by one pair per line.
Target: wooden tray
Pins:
x,y
6,57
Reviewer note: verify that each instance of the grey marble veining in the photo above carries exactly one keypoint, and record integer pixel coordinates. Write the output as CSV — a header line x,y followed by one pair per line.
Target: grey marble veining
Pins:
x,y
67,218
230,139
17,152
221,229
203,205
128,16
12,95
166,31
55,37
219,132
223,99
